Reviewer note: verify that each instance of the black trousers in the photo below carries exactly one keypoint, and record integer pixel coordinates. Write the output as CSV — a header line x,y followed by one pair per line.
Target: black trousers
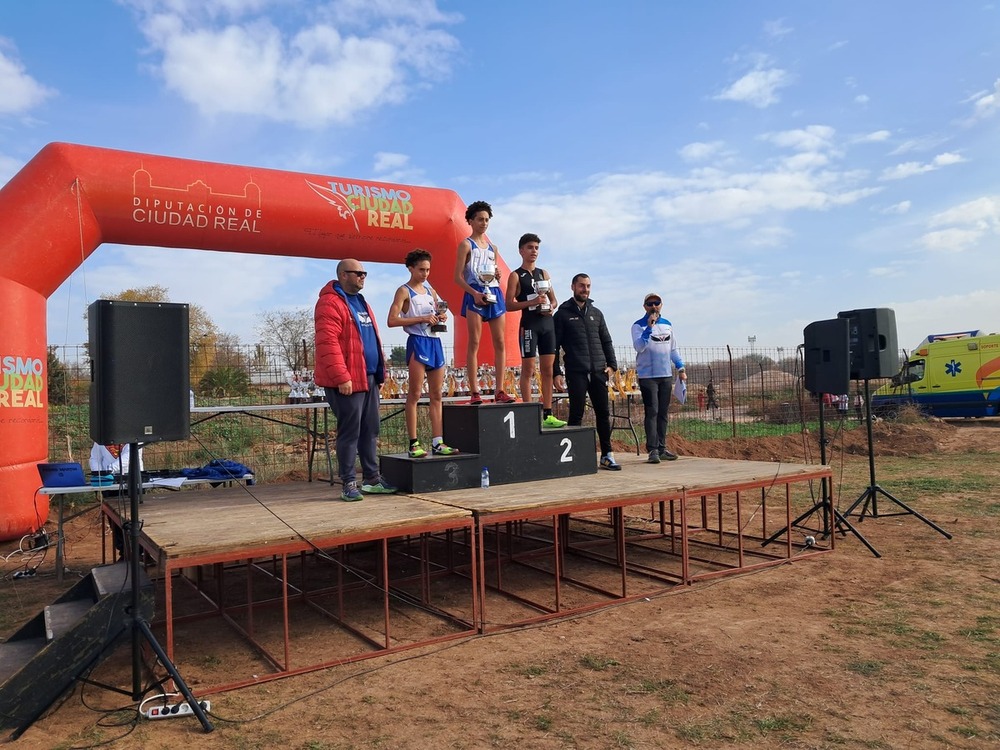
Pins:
x,y
593,384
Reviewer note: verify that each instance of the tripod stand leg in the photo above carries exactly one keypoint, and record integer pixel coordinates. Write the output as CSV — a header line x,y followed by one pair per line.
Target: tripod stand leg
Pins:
x,y
842,519
867,496
911,511
145,632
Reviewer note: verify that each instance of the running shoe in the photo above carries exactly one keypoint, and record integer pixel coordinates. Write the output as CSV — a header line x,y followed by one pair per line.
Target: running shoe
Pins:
x,y
475,399
654,457
552,421
416,451
378,486
503,398
667,455
351,493
608,462
443,450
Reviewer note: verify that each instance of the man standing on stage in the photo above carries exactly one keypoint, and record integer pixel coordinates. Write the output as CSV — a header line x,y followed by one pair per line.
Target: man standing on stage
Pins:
x,y
529,289
350,366
583,336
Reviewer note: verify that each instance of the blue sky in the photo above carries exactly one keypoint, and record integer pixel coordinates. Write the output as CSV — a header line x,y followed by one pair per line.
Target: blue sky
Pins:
x,y
761,165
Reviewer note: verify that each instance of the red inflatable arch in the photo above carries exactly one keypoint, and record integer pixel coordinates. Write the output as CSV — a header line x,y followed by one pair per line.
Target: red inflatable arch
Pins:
x,y
69,199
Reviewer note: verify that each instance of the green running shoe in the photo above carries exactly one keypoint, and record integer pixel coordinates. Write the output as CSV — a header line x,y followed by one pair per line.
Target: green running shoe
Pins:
x,y
552,421
443,450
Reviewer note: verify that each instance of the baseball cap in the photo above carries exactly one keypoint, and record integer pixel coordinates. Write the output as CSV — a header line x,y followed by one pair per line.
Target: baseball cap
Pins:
x,y
651,295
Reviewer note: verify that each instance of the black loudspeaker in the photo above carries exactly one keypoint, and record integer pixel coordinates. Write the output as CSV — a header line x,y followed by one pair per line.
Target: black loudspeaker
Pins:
x,y
827,356
874,348
140,365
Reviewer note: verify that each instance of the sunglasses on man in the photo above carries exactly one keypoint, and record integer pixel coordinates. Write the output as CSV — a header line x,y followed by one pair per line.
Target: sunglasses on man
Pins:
x,y
654,303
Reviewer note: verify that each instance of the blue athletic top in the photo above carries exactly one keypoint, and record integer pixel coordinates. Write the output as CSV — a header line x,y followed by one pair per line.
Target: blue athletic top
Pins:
x,y
421,304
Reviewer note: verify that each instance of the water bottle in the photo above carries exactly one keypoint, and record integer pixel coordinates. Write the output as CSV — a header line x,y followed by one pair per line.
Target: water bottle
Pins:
x,y
191,398
484,479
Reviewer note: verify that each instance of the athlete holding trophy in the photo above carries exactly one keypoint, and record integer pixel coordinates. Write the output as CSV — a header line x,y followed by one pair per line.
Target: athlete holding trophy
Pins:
x,y
417,308
529,289
476,273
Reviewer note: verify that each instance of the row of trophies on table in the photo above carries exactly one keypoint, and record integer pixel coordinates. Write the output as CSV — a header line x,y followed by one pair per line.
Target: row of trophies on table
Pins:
x,y
303,389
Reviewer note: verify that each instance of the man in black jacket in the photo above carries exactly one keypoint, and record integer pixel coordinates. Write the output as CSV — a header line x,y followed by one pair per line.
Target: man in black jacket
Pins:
x,y
583,337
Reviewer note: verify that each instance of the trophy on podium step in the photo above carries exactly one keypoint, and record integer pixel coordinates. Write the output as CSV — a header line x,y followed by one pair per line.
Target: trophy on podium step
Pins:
x,y
486,273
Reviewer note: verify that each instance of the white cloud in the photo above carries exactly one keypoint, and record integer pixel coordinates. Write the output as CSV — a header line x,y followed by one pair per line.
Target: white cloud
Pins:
x,y
20,92
311,76
699,151
392,167
972,308
986,103
952,240
925,143
810,138
770,237
898,208
876,136
983,211
777,29
911,168
861,99
385,161
965,225
758,88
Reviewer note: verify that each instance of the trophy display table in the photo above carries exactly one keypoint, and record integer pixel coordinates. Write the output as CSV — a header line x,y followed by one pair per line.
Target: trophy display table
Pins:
x,y
506,439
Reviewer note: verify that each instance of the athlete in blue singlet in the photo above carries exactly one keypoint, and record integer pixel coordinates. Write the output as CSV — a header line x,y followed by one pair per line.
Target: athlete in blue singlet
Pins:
x,y
474,255
414,307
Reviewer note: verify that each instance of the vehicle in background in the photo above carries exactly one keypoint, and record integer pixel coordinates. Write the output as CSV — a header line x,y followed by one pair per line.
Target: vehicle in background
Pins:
x,y
947,375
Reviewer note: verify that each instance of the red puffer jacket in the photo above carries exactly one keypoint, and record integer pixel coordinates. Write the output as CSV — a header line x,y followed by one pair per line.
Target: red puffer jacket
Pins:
x,y
340,355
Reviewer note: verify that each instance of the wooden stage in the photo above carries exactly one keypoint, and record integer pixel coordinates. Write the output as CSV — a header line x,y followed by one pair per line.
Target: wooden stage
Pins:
x,y
310,581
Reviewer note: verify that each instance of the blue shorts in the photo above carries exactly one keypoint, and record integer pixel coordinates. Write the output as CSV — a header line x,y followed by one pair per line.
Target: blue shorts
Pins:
x,y
427,349
489,312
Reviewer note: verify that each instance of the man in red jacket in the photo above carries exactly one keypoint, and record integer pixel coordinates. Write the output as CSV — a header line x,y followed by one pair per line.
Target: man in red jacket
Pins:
x,y
350,366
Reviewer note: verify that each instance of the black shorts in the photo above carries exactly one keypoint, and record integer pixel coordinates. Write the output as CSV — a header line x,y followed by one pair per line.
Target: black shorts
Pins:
x,y
540,338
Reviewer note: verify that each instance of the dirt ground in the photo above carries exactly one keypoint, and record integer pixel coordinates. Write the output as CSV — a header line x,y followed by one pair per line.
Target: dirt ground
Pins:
x,y
844,650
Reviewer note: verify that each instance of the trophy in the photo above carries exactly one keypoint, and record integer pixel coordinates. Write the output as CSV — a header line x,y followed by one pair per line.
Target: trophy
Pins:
x,y
543,286
485,274
440,309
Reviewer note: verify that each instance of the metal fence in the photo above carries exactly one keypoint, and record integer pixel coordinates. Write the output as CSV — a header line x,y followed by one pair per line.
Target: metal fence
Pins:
x,y
731,393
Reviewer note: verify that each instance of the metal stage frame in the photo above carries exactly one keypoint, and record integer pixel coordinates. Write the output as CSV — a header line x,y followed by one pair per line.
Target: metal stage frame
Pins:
x,y
309,582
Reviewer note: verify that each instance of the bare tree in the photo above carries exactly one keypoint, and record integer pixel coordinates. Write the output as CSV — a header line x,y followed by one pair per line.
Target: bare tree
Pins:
x,y
291,333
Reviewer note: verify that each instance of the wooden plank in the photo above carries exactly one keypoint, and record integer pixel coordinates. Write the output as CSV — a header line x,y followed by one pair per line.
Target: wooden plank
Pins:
x,y
190,524
637,482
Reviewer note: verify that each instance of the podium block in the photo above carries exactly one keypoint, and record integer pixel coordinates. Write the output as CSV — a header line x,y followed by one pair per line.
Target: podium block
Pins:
x,y
507,439
431,473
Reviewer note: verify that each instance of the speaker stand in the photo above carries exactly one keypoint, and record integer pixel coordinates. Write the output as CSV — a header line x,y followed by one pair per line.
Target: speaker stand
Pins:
x,y
868,499
139,627
825,504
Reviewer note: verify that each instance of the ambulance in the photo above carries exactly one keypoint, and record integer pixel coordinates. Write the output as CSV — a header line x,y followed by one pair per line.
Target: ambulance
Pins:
x,y
947,375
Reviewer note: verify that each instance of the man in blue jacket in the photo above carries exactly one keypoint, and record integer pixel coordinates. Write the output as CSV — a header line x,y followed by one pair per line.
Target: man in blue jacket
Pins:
x,y
656,358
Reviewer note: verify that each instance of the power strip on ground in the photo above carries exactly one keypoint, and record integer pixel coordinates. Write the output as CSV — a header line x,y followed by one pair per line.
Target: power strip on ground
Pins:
x,y
178,709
